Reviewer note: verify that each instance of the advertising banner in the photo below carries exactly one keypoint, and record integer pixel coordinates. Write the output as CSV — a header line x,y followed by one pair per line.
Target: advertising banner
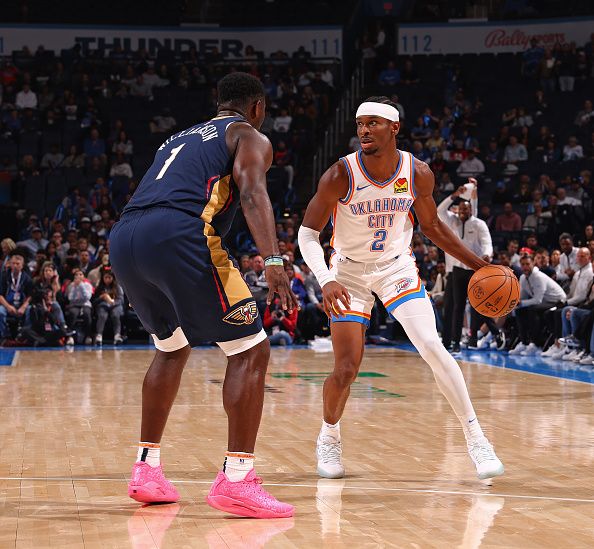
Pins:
x,y
319,41
491,37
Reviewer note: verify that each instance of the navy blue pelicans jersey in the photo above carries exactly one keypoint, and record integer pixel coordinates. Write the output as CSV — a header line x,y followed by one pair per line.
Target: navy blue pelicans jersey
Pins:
x,y
188,167
167,249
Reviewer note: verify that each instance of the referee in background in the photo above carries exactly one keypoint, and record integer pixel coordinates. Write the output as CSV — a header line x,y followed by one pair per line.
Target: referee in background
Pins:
x,y
476,236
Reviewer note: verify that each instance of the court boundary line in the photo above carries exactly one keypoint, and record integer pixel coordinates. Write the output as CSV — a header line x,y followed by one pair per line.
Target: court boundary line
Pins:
x,y
509,367
345,487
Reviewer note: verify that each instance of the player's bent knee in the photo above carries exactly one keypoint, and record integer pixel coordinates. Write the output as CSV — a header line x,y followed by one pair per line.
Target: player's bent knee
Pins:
x,y
431,348
175,342
345,372
257,343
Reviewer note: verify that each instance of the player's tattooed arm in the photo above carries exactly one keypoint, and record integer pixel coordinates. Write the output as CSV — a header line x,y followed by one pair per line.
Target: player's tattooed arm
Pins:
x,y
431,226
253,158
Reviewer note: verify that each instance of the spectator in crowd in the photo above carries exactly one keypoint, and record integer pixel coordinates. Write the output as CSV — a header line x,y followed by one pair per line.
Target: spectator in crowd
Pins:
x,y
46,325
566,68
84,257
297,285
573,150
508,221
471,166
313,314
564,200
548,71
567,265
578,307
52,159
78,310
538,219
256,281
36,242
75,159
577,343
26,98
16,289
163,123
420,131
409,75
245,264
121,167
538,293
280,325
515,152
7,245
123,145
531,59
585,117
282,122
94,146
283,159
109,303
94,275
390,76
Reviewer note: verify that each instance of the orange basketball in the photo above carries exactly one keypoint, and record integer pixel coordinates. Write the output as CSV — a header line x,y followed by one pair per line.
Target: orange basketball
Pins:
x,y
494,291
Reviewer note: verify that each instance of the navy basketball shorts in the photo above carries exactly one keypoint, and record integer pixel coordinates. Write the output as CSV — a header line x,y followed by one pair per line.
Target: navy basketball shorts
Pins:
x,y
181,283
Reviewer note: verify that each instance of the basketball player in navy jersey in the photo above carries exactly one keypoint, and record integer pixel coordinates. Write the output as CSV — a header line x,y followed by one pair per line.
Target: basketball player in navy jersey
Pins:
x,y
168,253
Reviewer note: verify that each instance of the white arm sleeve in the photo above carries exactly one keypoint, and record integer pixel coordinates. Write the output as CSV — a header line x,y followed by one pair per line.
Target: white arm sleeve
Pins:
x,y
313,254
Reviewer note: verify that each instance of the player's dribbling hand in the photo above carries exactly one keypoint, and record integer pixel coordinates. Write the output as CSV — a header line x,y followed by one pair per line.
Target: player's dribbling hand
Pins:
x,y
278,283
335,294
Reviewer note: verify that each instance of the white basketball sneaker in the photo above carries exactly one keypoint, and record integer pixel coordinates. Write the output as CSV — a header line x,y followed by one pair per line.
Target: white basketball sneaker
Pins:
x,y
519,348
329,453
485,460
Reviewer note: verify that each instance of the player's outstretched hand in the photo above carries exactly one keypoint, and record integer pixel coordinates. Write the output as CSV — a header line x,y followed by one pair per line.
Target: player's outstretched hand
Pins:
x,y
278,283
335,294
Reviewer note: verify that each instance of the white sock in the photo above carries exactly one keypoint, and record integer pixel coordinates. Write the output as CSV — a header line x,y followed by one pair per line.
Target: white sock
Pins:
x,y
480,334
149,452
237,465
329,430
418,320
472,429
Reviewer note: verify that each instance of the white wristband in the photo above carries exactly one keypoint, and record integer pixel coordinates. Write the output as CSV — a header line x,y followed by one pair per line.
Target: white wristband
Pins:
x,y
313,254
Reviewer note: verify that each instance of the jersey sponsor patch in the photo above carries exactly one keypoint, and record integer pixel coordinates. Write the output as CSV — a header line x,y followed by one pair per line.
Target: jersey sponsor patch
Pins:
x,y
244,314
401,185
403,284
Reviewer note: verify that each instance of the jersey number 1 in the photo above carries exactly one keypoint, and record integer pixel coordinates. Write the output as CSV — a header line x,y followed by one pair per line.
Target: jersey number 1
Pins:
x,y
169,160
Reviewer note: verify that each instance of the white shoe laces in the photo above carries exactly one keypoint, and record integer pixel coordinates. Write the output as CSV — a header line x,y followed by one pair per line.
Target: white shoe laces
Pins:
x,y
329,450
481,451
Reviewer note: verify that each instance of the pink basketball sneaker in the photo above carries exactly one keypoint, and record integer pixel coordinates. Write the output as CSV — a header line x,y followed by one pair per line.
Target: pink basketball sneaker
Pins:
x,y
246,498
149,485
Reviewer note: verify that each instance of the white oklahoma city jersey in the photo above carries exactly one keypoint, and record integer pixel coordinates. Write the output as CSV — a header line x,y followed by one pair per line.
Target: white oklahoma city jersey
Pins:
x,y
373,223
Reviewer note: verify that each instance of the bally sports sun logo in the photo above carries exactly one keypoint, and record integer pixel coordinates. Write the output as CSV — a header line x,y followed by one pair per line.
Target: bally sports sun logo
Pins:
x,y
401,185
244,314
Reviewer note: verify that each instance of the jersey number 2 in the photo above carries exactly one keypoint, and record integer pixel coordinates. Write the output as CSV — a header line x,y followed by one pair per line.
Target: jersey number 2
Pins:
x,y
169,161
378,244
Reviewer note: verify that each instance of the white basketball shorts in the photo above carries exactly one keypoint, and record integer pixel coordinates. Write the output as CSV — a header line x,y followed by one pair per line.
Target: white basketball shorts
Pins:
x,y
394,282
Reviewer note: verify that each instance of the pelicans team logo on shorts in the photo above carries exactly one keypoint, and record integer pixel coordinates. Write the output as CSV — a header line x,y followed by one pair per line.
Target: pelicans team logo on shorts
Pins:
x,y
401,185
403,284
244,314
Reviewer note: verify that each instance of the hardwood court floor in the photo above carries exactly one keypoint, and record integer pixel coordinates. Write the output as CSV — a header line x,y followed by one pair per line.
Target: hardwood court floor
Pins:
x,y
70,424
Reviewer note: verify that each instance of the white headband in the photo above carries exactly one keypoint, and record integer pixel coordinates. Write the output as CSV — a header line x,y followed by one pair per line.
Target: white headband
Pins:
x,y
370,108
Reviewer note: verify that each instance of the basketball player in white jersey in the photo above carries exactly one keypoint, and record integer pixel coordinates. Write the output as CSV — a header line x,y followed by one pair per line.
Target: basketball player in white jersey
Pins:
x,y
369,195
